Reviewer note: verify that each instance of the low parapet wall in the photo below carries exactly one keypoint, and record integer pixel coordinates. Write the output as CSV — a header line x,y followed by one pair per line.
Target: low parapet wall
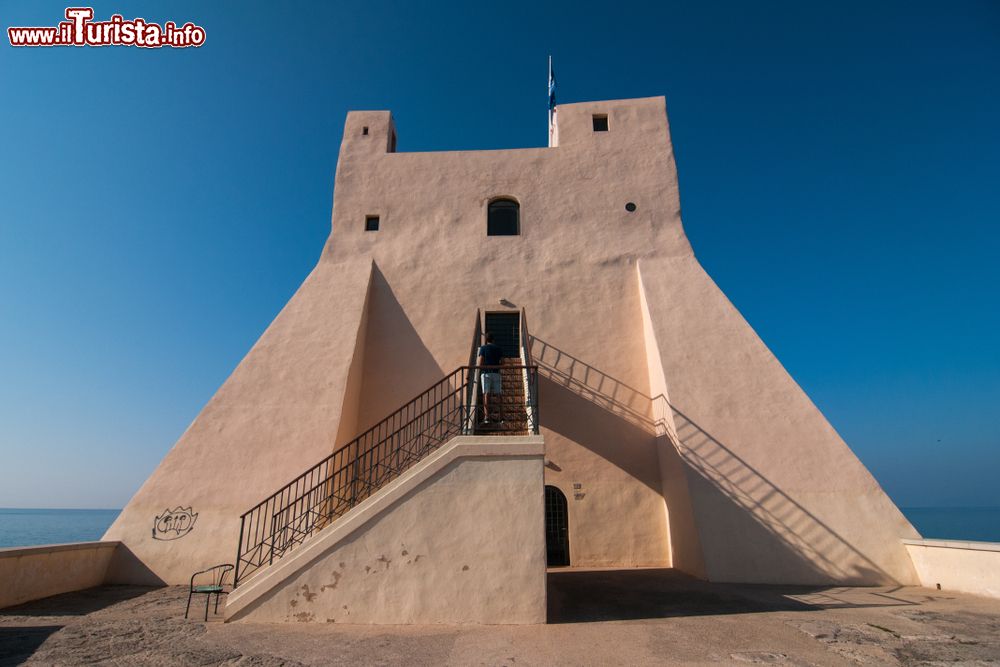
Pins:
x,y
969,567
457,538
31,573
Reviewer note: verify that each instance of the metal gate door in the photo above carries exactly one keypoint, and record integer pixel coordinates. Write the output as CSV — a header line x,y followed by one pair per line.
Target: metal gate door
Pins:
x,y
506,330
556,528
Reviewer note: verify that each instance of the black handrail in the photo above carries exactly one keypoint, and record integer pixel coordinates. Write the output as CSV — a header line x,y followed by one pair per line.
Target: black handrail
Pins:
x,y
526,341
477,338
530,386
361,467
472,394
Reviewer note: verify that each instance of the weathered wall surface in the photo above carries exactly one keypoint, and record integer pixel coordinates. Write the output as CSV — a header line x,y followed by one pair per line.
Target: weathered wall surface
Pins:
x,y
459,538
778,497
969,567
572,268
32,573
328,366
685,545
277,414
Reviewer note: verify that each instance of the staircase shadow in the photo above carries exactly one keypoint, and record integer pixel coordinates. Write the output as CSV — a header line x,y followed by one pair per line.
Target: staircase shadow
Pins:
x,y
610,435
740,499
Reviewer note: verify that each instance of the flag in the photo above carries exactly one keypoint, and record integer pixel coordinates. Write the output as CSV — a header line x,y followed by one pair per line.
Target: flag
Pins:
x,y
552,87
552,104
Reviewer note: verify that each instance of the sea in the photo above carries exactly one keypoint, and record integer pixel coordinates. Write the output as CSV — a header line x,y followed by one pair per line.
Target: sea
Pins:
x,y
29,527
975,524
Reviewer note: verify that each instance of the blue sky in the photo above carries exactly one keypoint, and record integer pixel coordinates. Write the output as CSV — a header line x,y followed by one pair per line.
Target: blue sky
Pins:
x,y
839,166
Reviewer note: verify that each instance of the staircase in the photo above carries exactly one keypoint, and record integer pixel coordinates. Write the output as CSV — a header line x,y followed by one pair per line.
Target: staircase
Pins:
x,y
513,411
355,471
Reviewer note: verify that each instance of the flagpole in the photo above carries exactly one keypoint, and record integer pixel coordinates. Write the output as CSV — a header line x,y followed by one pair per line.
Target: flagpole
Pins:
x,y
550,101
550,106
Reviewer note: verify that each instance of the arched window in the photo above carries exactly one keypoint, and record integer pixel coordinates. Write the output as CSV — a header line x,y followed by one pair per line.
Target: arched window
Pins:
x,y
503,218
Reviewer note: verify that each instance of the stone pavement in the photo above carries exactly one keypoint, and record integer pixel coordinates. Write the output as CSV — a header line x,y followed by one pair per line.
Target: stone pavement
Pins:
x,y
599,617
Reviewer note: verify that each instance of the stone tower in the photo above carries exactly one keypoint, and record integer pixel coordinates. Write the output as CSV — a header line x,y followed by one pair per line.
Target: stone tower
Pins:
x,y
675,436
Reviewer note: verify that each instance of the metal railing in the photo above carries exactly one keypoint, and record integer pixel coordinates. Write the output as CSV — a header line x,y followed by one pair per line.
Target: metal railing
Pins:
x,y
364,465
472,393
530,384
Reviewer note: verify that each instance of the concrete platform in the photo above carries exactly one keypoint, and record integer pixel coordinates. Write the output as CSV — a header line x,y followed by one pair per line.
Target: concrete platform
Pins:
x,y
596,617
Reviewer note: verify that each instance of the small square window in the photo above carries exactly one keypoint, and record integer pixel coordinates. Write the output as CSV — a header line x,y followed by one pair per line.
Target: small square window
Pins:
x,y
364,130
600,122
371,223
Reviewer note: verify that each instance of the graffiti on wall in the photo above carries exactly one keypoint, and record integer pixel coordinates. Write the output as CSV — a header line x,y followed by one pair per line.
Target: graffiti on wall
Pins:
x,y
174,524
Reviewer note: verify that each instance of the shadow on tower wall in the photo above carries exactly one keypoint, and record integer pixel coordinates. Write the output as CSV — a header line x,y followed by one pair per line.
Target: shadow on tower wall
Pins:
x,y
618,440
397,365
750,529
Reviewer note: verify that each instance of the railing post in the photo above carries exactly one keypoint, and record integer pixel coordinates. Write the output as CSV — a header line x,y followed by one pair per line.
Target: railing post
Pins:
x,y
534,401
355,470
270,559
470,380
239,552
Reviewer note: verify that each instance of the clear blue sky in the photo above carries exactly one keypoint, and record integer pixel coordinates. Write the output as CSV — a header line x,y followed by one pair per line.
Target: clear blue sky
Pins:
x,y
839,168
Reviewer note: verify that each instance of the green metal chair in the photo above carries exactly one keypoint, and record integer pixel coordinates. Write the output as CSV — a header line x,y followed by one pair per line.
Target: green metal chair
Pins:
x,y
212,584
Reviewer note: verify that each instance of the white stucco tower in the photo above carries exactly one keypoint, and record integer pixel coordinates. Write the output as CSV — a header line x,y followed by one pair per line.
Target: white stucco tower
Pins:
x,y
672,433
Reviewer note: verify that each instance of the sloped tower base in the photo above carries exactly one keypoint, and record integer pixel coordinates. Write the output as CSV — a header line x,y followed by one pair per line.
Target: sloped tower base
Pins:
x,y
672,431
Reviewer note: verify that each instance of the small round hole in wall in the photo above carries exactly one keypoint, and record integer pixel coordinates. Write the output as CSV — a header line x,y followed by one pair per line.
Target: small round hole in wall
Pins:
x,y
630,207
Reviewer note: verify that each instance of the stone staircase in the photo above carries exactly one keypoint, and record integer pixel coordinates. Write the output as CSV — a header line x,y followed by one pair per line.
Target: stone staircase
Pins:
x,y
513,411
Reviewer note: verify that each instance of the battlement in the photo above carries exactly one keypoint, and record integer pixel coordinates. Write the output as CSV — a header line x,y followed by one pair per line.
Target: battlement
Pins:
x,y
368,133
583,125
609,124
610,180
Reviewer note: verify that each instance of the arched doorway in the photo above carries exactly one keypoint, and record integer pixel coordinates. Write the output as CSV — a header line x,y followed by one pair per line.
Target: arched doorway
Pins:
x,y
556,528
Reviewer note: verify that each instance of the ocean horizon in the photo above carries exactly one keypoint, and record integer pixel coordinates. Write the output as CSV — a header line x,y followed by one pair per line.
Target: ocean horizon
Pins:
x,y
975,524
21,527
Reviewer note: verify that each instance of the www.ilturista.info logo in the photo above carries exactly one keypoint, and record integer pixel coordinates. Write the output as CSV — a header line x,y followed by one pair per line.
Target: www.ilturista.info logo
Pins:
x,y
81,30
